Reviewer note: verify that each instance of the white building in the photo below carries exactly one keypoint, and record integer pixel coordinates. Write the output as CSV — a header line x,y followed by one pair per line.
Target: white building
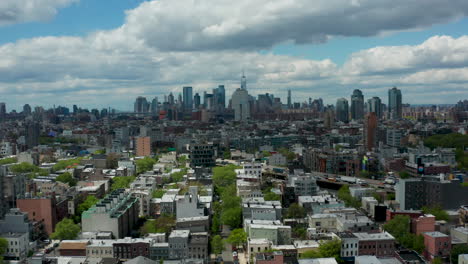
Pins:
x,y
241,105
18,245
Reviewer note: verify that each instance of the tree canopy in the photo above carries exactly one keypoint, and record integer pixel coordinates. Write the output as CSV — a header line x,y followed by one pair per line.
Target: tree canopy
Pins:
x,y
327,249
217,244
345,195
8,161
122,182
237,237
231,212
3,248
295,211
63,164
145,164
436,211
224,176
66,230
164,224
158,193
66,178
458,250
399,227
178,176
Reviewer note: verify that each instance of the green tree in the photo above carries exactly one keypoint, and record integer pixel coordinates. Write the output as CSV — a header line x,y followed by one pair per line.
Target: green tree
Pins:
x,y
227,154
458,250
178,176
299,232
437,261
399,226
66,230
159,193
121,182
216,222
3,248
88,203
6,161
66,178
224,176
164,224
327,249
266,153
436,211
287,153
24,167
217,244
345,195
391,196
63,164
232,217
270,196
364,174
144,165
237,237
295,211
404,175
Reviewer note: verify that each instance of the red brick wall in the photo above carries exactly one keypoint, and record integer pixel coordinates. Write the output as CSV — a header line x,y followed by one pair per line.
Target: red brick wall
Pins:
x,y
40,209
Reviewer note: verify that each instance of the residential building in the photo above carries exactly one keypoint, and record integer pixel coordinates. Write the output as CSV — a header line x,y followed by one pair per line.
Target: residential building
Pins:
x,y
437,245
116,213
143,146
349,245
41,209
203,155
129,248
423,224
370,131
275,257
18,246
376,244
277,159
304,184
323,223
277,234
189,205
460,233
100,249
179,244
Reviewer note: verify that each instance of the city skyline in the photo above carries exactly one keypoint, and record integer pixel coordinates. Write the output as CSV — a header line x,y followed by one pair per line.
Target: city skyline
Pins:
x,y
92,54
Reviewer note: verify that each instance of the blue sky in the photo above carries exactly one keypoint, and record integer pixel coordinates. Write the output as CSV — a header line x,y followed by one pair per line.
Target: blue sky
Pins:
x,y
156,47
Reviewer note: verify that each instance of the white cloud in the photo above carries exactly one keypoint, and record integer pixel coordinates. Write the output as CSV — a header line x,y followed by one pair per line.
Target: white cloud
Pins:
x,y
191,25
21,11
157,51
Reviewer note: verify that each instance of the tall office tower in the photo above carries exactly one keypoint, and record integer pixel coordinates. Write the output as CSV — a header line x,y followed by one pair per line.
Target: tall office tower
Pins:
x,y
27,110
243,82
75,109
188,97
141,105
394,103
357,105
329,117
374,105
2,109
289,99
342,110
32,134
104,112
221,96
241,104
370,131
196,101
155,105
179,101
170,99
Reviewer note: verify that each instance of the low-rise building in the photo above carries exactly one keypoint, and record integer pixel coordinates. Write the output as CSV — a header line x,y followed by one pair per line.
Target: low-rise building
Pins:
x,y
18,246
349,245
437,245
376,244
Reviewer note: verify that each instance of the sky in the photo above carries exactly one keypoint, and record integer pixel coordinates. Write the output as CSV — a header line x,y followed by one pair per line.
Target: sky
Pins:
x,y
105,53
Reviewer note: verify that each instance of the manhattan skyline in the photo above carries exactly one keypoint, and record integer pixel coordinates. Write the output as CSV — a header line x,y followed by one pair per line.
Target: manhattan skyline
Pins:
x,y
106,54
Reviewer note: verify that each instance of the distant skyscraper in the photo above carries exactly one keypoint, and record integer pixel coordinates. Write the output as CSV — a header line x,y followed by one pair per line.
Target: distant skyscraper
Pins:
x,y
170,99
188,97
27,110
289,99
357,105
75,109
342,110
197,101
221,96
374,105
241,104
141,105
394,103
155,105
370,131
32,134
243,82
2,109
